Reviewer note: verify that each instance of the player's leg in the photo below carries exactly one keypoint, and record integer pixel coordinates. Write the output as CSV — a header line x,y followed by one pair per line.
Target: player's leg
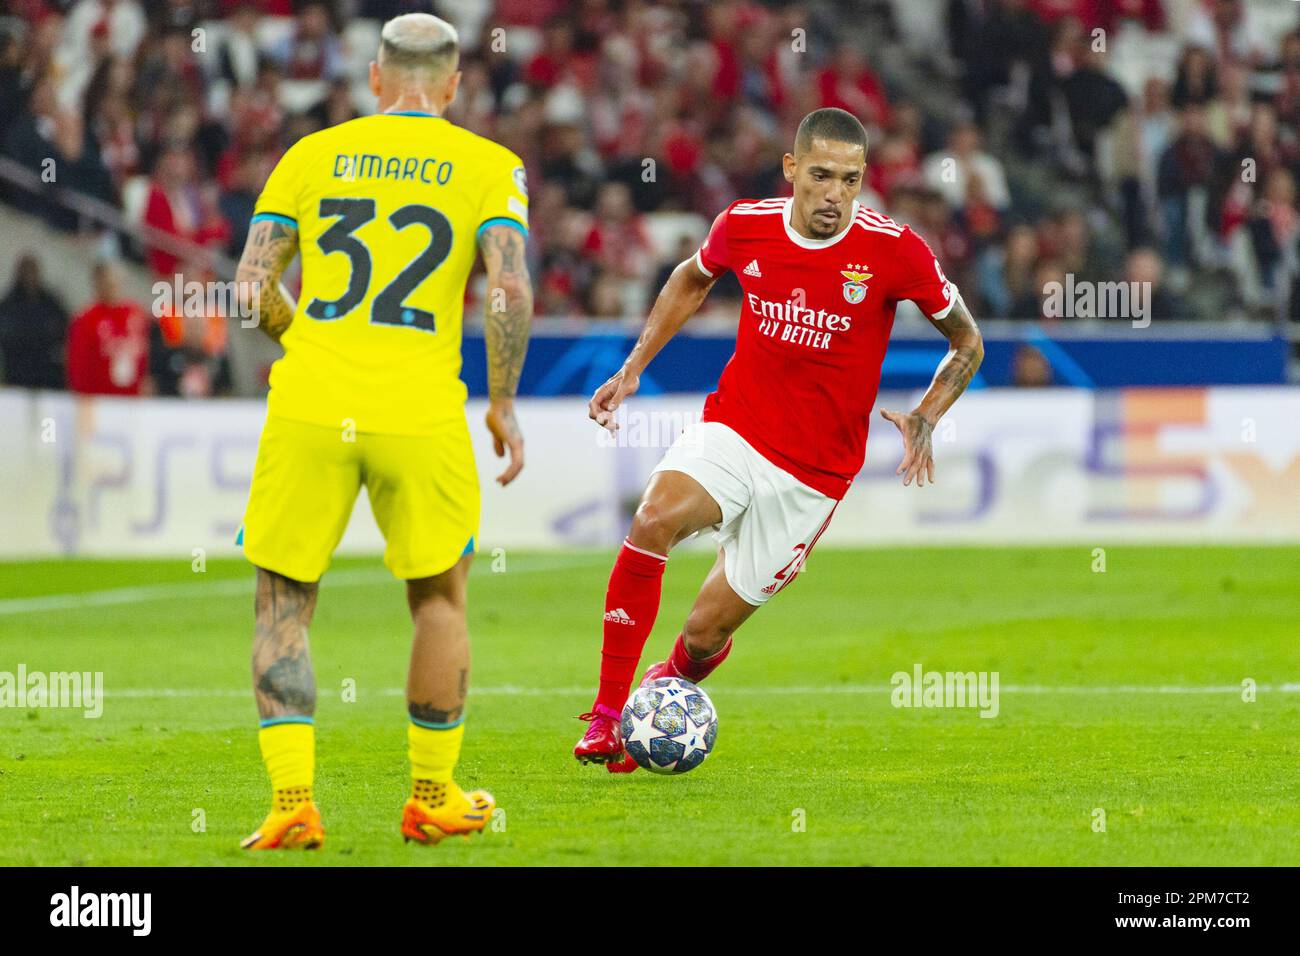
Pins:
x,y
705,640
435,700
304,485
285,687
693,488
674,507
762,552
424,494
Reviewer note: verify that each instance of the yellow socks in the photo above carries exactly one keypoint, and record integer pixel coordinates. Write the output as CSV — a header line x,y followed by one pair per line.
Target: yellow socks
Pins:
x,y
433,752
289,752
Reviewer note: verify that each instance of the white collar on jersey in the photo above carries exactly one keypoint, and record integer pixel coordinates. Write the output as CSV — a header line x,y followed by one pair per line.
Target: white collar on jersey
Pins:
x,y
799,240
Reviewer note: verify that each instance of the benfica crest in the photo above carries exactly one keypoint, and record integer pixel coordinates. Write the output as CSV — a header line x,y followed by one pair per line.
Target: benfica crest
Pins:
x,y
855,290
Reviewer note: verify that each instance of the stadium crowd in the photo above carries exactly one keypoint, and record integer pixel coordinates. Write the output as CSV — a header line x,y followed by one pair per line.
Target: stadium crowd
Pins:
x,y
1149,140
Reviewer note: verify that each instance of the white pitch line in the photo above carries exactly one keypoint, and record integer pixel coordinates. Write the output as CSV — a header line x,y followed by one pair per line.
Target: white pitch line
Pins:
x,y
232,587
837,689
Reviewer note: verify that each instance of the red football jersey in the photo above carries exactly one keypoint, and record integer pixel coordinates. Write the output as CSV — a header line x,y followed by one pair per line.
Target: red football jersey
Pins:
x,y
813,331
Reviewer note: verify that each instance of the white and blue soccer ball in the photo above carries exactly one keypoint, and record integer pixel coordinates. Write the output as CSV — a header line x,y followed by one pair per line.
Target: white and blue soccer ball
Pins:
x,y
669,725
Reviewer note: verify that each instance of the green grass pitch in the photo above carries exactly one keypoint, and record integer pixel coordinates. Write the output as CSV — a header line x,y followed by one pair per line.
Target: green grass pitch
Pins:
x,y
1120,692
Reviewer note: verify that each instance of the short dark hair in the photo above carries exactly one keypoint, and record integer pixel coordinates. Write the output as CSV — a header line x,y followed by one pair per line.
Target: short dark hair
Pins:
x,y
829,123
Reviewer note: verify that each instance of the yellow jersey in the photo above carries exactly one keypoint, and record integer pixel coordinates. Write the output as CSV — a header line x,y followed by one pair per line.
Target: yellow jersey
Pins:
x,y
388,210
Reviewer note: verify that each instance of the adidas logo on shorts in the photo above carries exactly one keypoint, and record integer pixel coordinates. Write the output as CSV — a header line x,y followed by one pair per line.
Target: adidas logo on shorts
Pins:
x,y
618,616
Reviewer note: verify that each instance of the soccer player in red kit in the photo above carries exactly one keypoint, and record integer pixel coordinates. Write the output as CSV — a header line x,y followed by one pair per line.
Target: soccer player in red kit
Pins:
x,y
785,433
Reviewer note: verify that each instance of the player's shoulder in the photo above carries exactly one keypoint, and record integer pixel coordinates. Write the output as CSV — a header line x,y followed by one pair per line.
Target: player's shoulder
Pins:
x,y
321,142
756,207
483,149
749,216
887,235
866,219
309,145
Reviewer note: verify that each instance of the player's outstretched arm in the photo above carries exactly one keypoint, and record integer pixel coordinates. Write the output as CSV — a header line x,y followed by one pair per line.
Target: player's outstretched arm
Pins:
x,y
270,247
965,353
507,323
681,295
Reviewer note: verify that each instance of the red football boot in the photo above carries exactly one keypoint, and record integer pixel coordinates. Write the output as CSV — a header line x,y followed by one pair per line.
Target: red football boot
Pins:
x,y
627,764
656,671
602,743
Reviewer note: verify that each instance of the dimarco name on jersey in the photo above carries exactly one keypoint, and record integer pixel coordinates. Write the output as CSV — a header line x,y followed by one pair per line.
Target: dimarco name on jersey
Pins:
x,y
423,169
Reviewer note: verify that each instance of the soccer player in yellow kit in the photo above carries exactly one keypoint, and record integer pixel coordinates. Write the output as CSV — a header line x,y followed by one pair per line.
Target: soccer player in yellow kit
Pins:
x,y
387,212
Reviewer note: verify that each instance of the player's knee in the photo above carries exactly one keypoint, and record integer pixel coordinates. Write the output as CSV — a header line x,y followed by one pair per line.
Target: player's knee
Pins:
x,y
277,595
438,602
441,594
704,636
654,528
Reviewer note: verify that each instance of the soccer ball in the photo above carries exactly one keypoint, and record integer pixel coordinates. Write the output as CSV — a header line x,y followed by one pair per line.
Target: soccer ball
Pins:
x,y
669,725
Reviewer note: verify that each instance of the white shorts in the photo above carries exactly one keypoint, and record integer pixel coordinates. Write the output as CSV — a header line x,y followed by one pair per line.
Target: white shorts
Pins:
x,y
770,519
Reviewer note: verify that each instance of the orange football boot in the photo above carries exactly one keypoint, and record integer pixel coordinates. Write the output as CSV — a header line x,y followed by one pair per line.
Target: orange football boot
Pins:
x,y
296,829
462,814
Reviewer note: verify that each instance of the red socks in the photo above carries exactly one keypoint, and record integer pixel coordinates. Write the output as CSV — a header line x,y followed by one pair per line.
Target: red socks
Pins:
x,y
691,669
631,604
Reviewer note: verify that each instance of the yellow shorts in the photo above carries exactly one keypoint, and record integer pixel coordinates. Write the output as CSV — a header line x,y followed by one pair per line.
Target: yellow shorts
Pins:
x,y
423,493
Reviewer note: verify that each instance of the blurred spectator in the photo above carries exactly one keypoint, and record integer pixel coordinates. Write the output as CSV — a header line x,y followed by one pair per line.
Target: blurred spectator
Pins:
x,y
978,218
188,349
727,286
1144,266
1093,100
566,269
238,53
948,171
1185,174
605,297
1030,368
1049,274
108,342
1228,31
617,240
51,141
1006,275
14,78
1195,83
120,22
335,108
33,330
313,50
1142,135
849,84
1274,228
237,202
178,207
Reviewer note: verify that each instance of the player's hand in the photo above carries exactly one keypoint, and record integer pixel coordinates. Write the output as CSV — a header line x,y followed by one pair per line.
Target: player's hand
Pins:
x,y
506,436
609,396
918,455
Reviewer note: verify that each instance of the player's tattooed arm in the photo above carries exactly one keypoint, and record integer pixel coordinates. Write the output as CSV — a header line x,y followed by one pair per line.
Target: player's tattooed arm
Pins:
x,y
965,353
270,247
680,298
283,681
507,325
